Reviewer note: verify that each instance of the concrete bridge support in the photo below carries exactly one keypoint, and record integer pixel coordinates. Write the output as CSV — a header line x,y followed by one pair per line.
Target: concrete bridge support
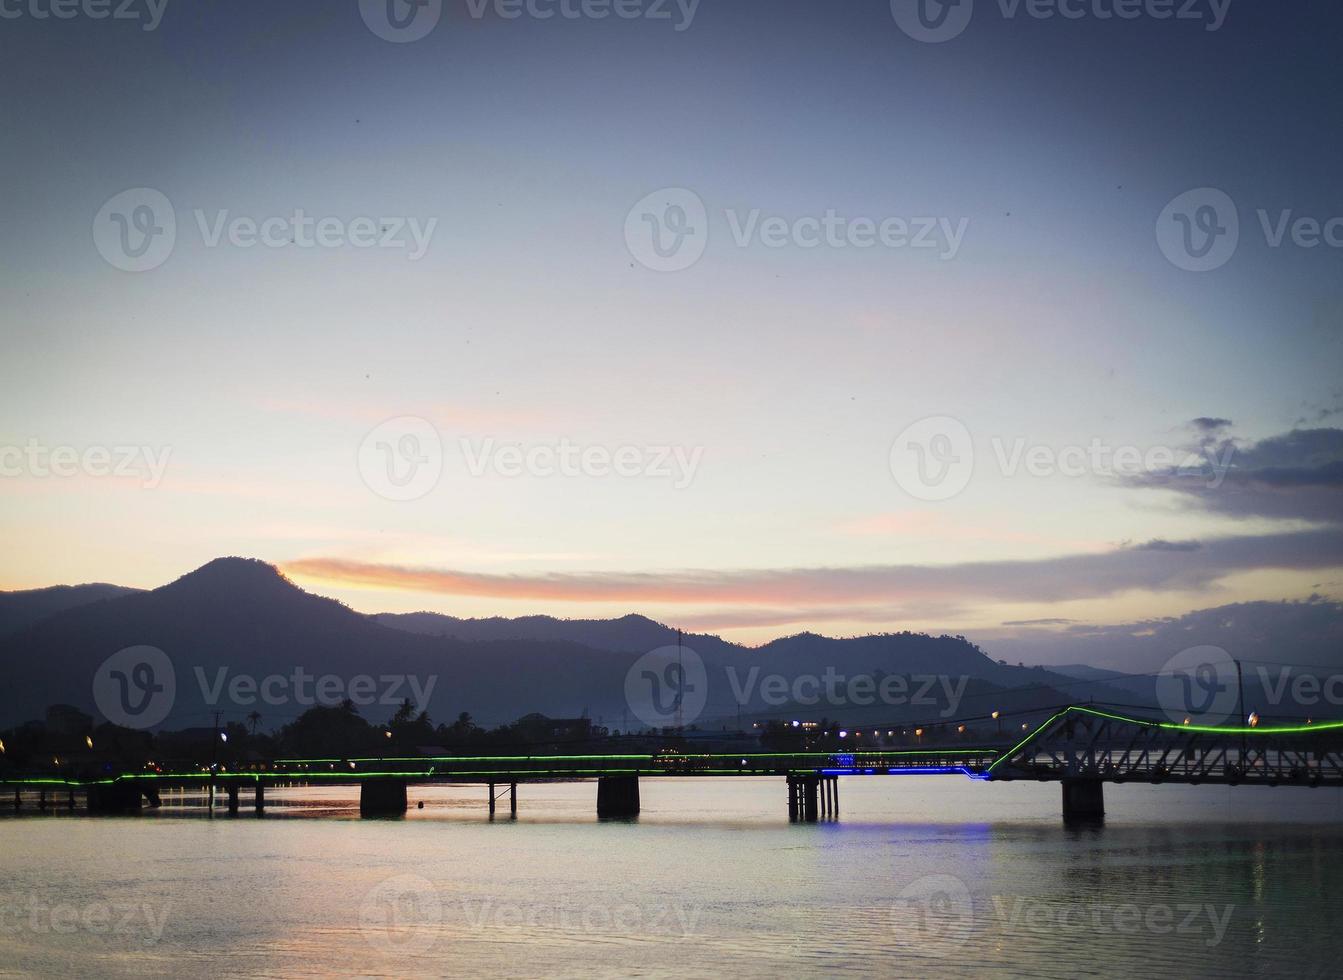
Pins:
x,y
829,797
804,798
512,800
1083,800
260,798
121,797
382,797
618,796
233,799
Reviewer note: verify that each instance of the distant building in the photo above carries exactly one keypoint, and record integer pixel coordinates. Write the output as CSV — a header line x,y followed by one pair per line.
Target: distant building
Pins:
x,y
539,728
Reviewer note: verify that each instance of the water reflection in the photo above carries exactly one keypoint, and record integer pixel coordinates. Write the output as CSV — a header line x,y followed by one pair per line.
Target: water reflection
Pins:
x,y
918,877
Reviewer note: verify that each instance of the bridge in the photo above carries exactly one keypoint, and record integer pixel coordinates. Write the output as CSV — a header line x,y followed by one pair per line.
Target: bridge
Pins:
x,y
1080,747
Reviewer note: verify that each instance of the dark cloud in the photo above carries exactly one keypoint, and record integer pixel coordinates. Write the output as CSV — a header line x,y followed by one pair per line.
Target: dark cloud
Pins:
x,y
1307,633
1295,475
1161,544
1063,578
1210,426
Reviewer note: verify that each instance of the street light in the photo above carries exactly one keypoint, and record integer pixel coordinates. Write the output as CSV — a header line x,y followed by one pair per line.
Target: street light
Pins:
x,y
88,740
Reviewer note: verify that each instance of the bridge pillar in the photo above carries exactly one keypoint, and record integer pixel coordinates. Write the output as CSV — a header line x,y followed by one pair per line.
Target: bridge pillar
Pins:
x,y
119,797
260,798
829,797
382,797
1083,799
42,800
513,800
491,801
618,796
233,799
803,798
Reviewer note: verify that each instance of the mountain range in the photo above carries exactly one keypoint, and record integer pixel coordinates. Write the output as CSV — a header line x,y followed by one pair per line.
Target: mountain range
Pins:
x,y
235,622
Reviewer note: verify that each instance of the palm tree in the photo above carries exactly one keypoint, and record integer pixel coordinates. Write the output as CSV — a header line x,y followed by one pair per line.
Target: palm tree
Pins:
x,y
254,718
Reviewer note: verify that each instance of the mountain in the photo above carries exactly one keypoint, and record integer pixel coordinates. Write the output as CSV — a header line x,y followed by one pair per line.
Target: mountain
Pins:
x,y
626,634
1086,673
239,637
20,610
238,617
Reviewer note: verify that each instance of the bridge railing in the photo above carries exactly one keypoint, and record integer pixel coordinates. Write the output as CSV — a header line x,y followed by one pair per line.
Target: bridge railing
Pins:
x,y
1084,742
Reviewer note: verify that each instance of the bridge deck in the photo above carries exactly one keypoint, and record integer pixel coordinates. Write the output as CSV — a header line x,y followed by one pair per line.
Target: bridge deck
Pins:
x,y
1075,743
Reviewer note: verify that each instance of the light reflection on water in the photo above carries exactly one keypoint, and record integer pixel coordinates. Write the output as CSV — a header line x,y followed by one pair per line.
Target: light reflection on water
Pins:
x,y
922,876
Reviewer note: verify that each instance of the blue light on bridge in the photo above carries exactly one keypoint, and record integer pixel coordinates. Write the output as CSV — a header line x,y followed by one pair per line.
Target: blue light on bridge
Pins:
x,y
907,771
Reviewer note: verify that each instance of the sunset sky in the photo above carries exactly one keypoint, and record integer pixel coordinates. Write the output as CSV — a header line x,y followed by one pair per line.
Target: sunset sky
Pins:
x,y
777,379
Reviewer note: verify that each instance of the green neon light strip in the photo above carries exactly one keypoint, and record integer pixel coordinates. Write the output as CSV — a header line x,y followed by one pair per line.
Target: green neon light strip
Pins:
x,y
874,753
1323,726
1172,726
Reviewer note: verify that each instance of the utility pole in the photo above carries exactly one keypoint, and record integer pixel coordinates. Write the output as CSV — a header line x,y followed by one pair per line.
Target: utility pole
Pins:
x,y
680,682
1240,685
214,763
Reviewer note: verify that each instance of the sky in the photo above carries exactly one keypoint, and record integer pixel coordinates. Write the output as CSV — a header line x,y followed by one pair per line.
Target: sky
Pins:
x,y
753,317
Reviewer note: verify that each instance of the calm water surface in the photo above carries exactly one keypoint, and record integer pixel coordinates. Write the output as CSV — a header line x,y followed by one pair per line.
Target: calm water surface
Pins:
x,y
920,877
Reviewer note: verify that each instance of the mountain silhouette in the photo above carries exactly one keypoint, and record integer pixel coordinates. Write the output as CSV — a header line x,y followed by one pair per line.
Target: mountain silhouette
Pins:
x,y
20,610
239,617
